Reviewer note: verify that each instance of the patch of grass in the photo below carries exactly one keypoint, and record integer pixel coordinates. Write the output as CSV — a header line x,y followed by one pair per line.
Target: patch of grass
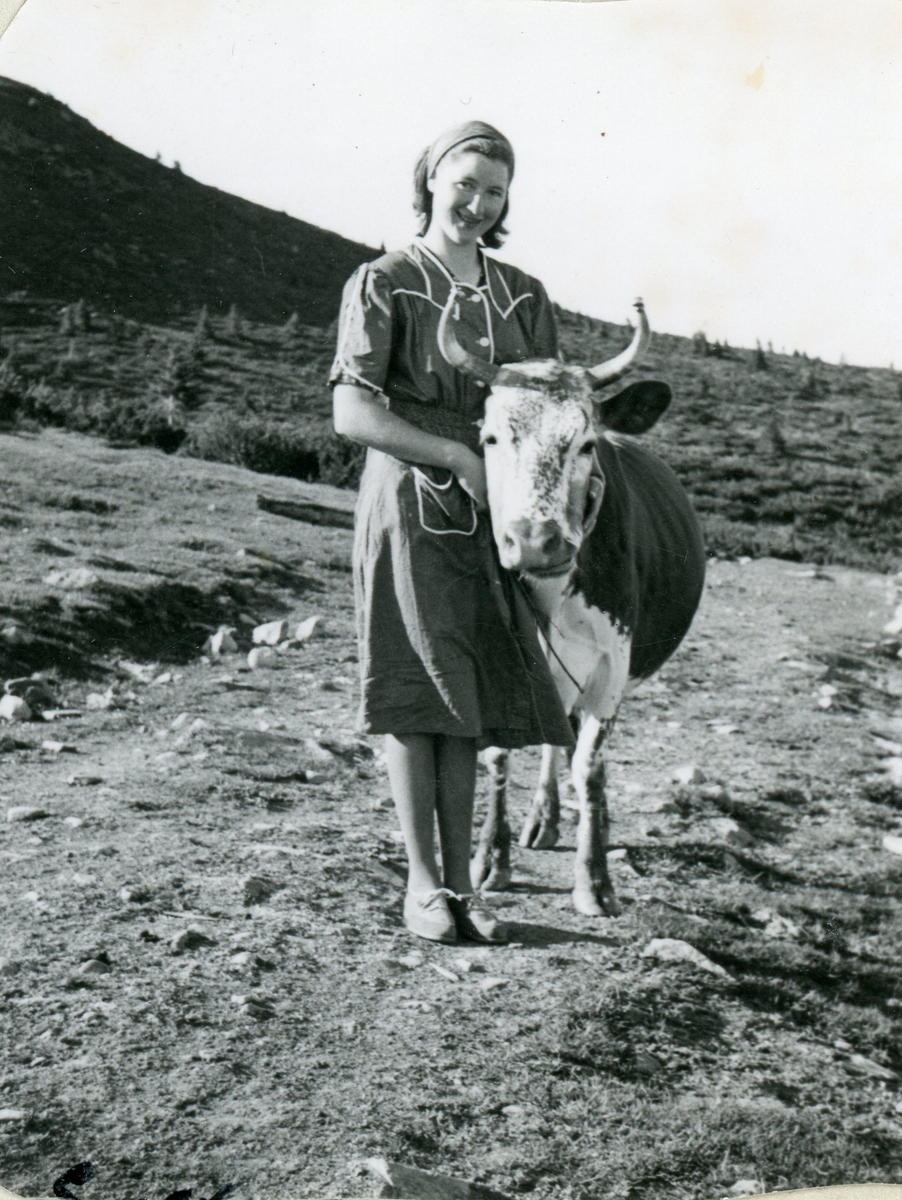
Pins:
x,y
798,461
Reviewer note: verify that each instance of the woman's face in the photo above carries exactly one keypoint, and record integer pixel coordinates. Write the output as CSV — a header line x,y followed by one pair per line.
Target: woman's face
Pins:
x,y
468,194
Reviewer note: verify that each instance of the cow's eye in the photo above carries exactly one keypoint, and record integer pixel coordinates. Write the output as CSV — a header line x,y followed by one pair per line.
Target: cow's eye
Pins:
x,y
587,448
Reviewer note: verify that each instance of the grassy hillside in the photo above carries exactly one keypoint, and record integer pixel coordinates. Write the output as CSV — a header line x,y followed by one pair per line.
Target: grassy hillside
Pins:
x,y
150,309
782,455
84,216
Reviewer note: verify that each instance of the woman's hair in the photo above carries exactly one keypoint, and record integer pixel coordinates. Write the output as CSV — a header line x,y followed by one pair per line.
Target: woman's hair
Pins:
x,y
491,148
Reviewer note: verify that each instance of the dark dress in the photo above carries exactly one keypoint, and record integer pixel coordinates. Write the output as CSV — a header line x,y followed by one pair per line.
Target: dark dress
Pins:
x,y
448,644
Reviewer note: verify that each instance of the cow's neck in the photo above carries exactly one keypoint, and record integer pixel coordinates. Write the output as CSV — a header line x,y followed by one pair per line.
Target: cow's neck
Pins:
x,y
548,595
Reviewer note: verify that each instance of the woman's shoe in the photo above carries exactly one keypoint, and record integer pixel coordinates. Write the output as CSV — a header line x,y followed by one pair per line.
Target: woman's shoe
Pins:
x,y
428,916
475,920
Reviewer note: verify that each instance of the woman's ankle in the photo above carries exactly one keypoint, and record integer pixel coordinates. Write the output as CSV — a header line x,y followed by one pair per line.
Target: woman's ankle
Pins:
x,y
419,883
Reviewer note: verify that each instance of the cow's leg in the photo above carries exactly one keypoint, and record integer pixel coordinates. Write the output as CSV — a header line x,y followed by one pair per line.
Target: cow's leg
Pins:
x,y
593,893
491,865
541,827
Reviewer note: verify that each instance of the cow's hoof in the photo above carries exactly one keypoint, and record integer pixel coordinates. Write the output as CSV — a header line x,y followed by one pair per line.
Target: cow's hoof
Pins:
x,y
596,901
498,879
586,903
546,838
539,835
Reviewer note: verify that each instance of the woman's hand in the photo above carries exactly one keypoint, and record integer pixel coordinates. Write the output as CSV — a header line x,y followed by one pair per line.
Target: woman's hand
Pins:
x,y
470,471
359,416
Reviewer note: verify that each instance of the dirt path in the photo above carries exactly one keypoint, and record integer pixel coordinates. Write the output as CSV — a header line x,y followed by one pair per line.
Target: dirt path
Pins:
x,y
296,1028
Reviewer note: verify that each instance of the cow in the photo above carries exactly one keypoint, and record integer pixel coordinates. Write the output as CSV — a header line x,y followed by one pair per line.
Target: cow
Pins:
x,y
610,557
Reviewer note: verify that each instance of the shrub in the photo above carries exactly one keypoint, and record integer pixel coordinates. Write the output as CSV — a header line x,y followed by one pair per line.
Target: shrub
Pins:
x,y
147,420
182,376
81,317
233,322
276,448
271,447
12,392
340,461
202,328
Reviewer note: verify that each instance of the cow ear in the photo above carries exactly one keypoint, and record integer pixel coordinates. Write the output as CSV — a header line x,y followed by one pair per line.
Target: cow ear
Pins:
x,y
636,409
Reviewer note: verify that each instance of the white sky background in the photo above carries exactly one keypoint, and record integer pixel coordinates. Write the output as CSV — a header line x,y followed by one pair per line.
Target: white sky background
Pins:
x,y
748,183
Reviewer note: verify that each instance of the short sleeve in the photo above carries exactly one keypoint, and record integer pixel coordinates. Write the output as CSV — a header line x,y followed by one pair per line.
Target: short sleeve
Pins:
x,y
544,325
364,331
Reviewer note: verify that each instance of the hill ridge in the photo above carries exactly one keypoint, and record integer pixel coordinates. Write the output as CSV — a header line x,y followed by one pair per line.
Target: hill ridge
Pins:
x,y
86,217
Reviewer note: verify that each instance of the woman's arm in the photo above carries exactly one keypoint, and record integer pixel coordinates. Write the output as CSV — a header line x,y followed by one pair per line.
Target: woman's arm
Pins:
x,y
362,418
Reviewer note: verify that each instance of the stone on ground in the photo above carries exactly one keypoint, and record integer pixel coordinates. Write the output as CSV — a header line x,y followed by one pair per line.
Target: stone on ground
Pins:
x,y
221,642
306,629
399,1180
858,1064
676,950
263,656
95,966
26,812
688,774
269,634
36,693
190,939
257,889
75,580
747,1187
14,708
893,767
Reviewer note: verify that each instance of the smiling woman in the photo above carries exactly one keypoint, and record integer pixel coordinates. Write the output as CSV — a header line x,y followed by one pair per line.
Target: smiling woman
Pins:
x,y
449,652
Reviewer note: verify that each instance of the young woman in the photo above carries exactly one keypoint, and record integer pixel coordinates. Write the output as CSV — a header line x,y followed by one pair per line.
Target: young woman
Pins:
x,y
449,655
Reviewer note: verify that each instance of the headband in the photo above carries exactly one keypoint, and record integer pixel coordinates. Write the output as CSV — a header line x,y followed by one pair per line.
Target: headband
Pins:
x,y
460,134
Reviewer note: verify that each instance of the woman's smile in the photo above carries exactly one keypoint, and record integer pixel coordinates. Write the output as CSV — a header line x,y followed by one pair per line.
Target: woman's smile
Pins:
x,y
468,195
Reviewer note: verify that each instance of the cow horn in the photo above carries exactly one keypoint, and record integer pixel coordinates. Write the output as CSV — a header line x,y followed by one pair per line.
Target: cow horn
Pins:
x,y
607,372
454,353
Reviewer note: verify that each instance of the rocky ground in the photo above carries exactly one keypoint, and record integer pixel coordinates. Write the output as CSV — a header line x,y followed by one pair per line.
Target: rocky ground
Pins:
x,y
204,976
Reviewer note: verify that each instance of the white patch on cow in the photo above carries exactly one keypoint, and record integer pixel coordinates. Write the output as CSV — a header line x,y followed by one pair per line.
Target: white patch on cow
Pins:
x,y
588,655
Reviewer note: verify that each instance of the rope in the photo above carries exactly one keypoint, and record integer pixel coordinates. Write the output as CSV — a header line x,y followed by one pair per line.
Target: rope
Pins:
x,y
542,621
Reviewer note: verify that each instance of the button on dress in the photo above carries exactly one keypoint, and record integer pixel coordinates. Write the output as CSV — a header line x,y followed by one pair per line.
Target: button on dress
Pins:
x,y
448,641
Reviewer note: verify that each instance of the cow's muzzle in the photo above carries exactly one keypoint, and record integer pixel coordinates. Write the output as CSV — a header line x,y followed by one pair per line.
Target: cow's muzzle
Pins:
x,y
538,547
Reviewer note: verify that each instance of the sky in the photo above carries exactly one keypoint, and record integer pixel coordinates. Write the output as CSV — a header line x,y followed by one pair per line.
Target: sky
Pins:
x,y
737,163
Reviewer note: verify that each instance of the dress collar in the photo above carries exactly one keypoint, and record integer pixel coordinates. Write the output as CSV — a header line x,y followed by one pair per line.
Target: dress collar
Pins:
x,y
432,257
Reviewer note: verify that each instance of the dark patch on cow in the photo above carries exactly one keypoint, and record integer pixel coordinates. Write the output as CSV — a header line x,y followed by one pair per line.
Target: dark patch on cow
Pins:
x,y
644,562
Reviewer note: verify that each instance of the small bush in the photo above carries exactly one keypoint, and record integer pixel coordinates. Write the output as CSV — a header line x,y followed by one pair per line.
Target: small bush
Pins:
x,y
202,328
147,420
271,447
276,448
233,323
81,317
12,392
182,376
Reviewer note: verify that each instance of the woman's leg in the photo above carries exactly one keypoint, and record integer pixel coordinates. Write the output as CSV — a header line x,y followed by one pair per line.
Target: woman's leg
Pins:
x,y
411,772
455,779
455,784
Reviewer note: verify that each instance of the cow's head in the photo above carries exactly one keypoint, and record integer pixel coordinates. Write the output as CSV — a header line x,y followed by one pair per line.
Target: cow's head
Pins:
x,y
541,431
